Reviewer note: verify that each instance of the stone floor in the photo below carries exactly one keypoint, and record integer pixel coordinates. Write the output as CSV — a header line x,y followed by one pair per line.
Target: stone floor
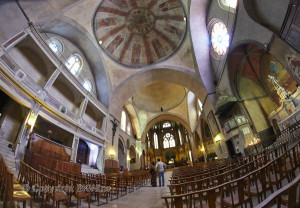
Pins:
x,y
147,196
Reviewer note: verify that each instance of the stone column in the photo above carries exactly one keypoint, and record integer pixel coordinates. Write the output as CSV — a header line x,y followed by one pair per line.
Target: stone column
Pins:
x,y
83,107
74,148
52,79
26,128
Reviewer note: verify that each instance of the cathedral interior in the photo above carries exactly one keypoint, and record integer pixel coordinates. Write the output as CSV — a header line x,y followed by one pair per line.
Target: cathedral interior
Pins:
x,y
93,92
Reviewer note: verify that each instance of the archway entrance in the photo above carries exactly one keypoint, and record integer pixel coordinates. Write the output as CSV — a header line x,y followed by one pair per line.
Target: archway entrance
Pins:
x,y
83,152
230,148
165,136
121,155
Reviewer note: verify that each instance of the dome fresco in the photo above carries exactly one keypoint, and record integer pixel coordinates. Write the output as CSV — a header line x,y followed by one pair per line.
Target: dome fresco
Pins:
x,y
137,33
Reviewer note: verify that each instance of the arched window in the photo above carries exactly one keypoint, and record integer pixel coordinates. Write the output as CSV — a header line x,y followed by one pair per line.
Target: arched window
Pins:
x,y
74,63
155,141
168,141
229,4
56,46
166,125
180,137
87,84
186,136
172,142
219,38
200,107
128,128
149,143
123,121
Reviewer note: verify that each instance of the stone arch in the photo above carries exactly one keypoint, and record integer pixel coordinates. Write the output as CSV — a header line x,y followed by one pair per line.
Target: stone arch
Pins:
x,y
127,144
75,33
197,139
132,154
134,119
165,117
122,153
146,77
200,41
192,109
262,12
121,139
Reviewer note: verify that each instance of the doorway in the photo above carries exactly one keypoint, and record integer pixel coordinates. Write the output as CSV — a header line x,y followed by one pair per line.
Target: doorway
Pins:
x,y
83,152
230,147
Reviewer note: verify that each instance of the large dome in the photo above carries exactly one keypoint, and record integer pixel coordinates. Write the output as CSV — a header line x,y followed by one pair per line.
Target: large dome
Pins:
x,y
159,95
137,33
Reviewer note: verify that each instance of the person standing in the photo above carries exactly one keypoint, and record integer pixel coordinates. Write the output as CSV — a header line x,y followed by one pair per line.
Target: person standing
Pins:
x,y
153,174
160,166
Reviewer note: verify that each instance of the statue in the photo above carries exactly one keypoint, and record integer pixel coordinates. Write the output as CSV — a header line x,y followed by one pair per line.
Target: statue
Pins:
x,y
114,129
280,90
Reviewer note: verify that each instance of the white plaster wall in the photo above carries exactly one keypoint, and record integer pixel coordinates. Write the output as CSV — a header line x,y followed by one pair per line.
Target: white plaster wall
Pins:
x,y
70,48
64,95
31,59
10,15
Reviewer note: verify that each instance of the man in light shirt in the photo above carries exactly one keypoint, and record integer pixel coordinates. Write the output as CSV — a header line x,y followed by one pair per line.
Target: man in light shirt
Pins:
x,y
160,167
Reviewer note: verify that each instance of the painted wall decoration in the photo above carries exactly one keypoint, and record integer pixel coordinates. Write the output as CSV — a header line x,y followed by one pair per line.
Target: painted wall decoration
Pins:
x,y
294,63
140,32
211,120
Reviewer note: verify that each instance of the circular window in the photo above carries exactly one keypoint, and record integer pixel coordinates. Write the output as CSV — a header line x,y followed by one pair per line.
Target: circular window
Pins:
x,y
87,84
139,33
56,46
219,38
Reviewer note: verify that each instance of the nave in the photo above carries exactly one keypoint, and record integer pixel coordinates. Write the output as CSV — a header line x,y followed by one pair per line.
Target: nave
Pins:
x,y
268,178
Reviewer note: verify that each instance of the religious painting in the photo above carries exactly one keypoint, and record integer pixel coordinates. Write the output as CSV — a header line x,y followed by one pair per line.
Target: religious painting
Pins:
x,y
213,124
294,63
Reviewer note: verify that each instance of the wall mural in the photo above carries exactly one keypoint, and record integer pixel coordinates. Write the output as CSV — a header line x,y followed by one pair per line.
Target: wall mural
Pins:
x,y
141,32
294,63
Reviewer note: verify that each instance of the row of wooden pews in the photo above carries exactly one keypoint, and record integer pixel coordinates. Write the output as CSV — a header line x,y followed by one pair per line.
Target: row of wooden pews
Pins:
x,y
10,189
78,186
238,182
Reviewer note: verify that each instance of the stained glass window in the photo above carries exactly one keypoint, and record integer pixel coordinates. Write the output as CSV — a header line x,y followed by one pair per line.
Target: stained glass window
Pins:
x,y
180,137
155,141
219,38
166,125
56,46
168,141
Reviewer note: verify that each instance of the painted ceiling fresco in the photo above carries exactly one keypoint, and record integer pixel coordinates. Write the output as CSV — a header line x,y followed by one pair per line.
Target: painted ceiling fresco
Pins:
x,y
137,33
